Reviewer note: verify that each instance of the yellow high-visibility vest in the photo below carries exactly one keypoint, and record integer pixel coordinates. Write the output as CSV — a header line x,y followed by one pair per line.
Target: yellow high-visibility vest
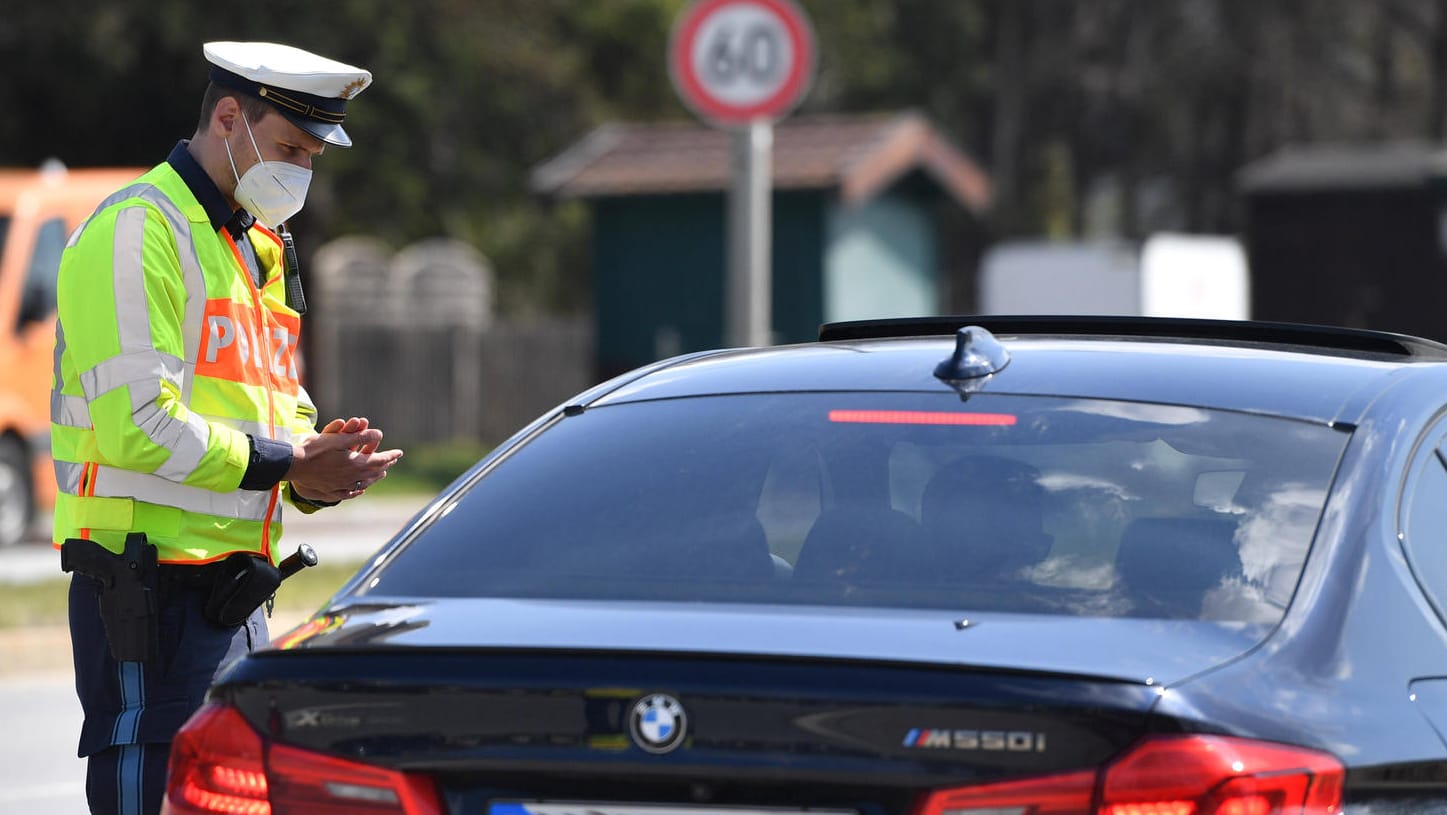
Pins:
x,y
167,356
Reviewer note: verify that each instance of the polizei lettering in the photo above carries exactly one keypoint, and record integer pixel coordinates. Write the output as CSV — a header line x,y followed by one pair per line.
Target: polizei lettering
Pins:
x,y
1012,741
223,333
237,346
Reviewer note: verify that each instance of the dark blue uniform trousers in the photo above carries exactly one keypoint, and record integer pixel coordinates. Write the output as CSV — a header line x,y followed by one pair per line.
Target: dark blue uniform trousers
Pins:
x,y
133,709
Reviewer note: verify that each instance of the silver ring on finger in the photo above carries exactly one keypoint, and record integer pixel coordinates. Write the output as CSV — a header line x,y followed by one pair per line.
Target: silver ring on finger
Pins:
x,y
358,486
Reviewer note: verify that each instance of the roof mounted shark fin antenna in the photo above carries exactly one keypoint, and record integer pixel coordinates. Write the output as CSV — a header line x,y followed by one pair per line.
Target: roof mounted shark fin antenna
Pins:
x,y
977,357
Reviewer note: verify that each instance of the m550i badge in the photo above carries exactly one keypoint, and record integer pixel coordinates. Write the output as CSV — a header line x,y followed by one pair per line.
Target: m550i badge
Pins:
x,y
657,723
1013,741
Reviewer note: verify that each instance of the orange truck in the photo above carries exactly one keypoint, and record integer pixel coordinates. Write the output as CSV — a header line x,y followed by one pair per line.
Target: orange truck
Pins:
x,y
39,209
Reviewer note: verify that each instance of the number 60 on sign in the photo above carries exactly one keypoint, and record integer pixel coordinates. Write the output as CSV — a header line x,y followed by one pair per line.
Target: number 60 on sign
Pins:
x,y
739,61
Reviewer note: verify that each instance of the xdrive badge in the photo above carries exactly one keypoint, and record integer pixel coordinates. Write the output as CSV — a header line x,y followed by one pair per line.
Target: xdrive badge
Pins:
x,y
657,723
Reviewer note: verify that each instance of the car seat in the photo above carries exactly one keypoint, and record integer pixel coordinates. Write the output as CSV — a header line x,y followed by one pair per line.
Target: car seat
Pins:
x,y
1167,565
984,515
862,545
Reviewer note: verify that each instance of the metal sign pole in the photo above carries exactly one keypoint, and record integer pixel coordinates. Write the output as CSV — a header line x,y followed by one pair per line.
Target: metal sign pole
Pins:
x,y
742,64
750,279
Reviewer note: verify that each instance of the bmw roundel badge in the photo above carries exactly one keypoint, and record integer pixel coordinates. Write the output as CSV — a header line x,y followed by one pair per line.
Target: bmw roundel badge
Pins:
x,y
657,723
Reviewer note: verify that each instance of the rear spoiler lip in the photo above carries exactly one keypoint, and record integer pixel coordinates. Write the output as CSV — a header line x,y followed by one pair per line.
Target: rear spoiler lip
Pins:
x,y
1320,337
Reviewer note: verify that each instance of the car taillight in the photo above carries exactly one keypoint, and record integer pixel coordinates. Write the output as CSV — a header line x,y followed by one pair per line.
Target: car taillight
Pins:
x,y
217,766
1167,775
1067,794
1211,775
303,781
221,766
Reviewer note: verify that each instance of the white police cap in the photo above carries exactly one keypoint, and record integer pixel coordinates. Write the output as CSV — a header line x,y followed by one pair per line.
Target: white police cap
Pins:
x,y
311,91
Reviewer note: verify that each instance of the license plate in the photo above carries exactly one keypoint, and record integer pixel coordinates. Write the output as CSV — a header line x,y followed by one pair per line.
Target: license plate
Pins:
x,y
612,808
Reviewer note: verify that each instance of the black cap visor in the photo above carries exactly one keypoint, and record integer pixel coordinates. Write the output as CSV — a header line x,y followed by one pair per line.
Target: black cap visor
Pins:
x,y
329,133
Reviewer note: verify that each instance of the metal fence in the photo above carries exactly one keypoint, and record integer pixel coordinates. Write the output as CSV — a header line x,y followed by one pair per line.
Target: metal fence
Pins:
x,y
409,341
427,383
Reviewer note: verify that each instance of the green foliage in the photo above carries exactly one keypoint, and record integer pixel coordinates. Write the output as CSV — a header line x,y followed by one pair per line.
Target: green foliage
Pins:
x,y
40,603
907,54
470,95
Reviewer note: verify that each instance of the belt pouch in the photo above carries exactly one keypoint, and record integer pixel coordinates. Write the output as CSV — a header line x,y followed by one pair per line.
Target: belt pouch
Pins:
x,y
245,582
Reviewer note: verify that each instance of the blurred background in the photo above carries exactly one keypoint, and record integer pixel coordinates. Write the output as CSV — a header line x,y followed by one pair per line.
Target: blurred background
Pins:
x,y
530,208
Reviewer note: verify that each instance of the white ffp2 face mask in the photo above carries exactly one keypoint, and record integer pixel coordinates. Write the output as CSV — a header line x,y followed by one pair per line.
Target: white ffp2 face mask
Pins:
x,y
273,191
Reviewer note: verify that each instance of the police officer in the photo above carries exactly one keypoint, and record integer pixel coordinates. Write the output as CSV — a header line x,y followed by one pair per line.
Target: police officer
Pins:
x,y
177,410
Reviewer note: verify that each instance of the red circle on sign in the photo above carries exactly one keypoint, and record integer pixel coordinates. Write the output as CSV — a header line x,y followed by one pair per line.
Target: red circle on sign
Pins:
x,y
708,105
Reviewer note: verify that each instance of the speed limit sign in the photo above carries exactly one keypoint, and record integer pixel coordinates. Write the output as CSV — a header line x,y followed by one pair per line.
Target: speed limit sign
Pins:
x,y
740,61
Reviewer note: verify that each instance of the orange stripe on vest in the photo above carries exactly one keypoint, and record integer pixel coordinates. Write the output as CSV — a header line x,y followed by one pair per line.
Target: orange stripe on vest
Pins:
x,y
232,348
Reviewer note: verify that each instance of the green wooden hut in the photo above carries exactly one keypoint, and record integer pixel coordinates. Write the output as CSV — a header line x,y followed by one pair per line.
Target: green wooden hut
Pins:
x,y
1349,234
873,216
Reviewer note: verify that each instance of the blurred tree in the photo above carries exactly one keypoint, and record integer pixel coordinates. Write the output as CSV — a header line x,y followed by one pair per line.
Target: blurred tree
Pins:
x,y
1113,116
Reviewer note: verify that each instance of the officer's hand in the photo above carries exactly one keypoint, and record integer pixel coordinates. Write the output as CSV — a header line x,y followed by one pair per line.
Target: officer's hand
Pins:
x,y
355,424
337,465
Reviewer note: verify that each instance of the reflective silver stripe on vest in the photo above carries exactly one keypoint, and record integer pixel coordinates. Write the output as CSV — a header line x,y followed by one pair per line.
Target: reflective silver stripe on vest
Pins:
x,y
192,279
259,430
128,270
246,505
143,371
69,411
187,439
57,381
67,476
116,197
139,365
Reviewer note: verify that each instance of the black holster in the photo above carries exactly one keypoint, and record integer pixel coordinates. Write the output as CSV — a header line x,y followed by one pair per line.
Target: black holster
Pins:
x,y
244,583
128,607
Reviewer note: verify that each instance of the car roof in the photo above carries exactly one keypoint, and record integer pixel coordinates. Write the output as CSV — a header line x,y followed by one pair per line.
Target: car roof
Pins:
x,y
1309,372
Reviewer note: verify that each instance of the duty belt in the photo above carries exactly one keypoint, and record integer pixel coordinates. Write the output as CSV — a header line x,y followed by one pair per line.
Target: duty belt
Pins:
x,y
201,575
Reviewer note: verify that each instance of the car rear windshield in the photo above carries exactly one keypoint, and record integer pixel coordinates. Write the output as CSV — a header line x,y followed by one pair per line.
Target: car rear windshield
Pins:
x,y
998,503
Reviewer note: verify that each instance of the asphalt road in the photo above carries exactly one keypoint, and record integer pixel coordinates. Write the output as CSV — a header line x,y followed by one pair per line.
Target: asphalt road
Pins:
x,y
38,768
40,716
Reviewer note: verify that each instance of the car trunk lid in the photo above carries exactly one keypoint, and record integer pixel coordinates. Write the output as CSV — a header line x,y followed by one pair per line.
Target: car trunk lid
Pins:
x,y
528,724
1143,651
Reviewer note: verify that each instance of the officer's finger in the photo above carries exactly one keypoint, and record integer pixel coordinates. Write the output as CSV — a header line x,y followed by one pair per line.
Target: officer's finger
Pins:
x,y
370,437
338,440
327,443
334,426
375,467
385,458
371,447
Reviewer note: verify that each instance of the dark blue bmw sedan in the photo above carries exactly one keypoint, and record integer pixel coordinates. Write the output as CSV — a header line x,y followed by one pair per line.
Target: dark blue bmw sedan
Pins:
x,y
975,566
